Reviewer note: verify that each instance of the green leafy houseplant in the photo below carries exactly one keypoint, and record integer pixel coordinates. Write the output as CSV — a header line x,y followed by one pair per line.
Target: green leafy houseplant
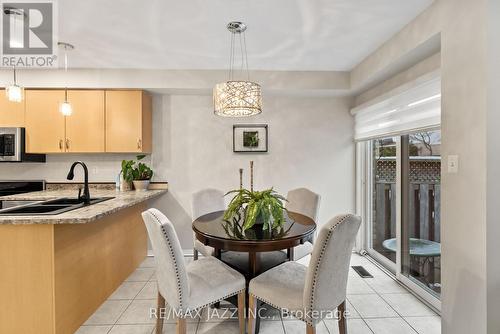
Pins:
x,y
142,171
133,170
256,206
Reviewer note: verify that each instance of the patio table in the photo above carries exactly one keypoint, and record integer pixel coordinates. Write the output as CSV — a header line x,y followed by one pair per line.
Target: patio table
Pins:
x,y
421,248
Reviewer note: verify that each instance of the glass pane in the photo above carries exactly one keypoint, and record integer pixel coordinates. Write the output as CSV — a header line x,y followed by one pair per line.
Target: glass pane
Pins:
x,y
421,185
383,225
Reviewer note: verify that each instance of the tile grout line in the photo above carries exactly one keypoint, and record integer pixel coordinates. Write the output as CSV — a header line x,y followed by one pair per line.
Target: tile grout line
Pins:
x,y
385,301
361,317
131,301
197,326
379,294
393,277
400,315
118,318
282,323
327,329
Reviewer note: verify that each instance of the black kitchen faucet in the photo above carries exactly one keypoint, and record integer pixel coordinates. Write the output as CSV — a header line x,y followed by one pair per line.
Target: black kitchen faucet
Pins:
x,y
86,193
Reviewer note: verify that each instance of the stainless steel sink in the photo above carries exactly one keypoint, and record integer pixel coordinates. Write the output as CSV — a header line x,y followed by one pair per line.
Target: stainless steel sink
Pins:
x,y
73,201
50,207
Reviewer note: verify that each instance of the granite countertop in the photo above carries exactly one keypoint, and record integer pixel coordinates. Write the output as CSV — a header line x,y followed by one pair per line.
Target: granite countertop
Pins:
x,y
82,215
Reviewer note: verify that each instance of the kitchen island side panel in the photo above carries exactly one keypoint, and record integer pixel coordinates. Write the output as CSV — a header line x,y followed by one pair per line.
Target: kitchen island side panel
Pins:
x,y
92,260
27,279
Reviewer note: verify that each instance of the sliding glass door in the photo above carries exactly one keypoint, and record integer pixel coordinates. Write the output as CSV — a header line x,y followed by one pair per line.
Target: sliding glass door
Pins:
x,y
383,199
399,183
403,212
421,206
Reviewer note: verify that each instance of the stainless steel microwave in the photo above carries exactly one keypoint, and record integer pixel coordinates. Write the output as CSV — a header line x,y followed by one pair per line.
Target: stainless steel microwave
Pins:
x,y
13,146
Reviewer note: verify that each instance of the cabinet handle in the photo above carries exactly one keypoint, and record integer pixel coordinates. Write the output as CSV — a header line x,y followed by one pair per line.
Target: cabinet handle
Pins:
x,y
139,143
60,144
67,143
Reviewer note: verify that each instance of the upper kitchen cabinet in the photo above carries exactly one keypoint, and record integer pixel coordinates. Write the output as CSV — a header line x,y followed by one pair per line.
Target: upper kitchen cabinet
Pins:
x,y
85,126
11,113
128,121
45,130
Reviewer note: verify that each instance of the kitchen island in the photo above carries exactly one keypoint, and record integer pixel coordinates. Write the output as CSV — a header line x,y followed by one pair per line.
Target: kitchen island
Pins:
x,y
56,270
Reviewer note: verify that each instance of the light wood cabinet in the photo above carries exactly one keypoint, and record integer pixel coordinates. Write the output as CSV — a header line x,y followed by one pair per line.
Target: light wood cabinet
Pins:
x,y
45,130
102,121
128,121
11,113
85,126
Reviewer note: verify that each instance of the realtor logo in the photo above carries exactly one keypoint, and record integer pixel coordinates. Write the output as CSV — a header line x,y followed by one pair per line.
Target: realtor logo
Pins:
x,y
28,34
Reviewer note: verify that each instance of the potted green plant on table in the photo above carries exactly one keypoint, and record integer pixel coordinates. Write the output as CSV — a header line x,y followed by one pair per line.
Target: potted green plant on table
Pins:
x,y
256,207
137,172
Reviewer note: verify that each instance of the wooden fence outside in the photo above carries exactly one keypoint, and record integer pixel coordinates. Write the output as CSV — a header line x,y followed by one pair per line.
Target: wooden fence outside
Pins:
x,y
425,204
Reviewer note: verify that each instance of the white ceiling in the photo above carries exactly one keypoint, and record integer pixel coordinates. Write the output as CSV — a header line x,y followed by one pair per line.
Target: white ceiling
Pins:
x,y
191,34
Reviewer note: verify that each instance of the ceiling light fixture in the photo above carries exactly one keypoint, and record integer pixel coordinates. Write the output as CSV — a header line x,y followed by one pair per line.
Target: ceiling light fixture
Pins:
x,y
237,98
65,108
14,92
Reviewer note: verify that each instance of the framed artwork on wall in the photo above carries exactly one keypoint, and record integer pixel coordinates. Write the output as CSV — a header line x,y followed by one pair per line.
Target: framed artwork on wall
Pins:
x,y
250,138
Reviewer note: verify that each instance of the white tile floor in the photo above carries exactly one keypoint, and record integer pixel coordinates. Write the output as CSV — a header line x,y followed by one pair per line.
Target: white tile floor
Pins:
x,y
377,305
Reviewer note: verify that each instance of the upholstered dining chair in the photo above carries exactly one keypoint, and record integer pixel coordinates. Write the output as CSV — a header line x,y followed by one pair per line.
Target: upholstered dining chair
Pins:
x,y
305,202
188,288
310,293
203,202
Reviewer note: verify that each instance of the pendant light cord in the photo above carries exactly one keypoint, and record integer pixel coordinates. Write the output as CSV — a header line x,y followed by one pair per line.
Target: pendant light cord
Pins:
x,y
242,54
246,55
66,74
231,57
15,79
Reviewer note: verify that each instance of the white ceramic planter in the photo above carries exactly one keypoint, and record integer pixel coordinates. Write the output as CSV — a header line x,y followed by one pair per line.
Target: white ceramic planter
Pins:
x,y
141,185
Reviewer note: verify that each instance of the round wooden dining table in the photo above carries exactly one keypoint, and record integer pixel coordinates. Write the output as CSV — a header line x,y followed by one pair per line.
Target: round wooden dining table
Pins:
x,y
226,236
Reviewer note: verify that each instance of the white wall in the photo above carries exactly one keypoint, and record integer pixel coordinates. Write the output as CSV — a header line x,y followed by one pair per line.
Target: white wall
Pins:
x,y
310,145
469,213
493,169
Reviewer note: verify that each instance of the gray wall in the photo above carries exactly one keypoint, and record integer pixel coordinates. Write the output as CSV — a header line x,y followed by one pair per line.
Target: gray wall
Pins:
x,y
493,169
310,145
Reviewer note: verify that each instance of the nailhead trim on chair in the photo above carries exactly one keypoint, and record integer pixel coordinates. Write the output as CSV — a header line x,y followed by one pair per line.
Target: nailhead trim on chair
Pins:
x,y
218,300
176,267
179,280
316,271
273,305
322,253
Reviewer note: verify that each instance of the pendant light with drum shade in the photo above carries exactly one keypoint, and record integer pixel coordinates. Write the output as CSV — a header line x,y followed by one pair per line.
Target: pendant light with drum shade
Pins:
x,y
65,108
237,98
14,92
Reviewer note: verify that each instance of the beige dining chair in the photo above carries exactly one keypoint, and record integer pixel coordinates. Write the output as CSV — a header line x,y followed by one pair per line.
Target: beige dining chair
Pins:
x,y
188,288
305,202
203,202
311,293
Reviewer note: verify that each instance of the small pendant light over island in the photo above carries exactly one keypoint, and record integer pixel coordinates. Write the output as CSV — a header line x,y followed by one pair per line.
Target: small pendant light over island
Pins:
x,y
65,108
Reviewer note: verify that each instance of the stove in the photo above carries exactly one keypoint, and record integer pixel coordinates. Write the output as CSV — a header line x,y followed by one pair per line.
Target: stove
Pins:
x,y
20,187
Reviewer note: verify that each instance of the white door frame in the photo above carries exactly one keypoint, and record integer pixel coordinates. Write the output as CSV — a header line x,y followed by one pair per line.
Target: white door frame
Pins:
x,y
364,208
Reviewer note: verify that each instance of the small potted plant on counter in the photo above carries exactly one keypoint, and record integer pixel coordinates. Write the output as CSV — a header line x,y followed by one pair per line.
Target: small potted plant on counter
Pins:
x,y
137,172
